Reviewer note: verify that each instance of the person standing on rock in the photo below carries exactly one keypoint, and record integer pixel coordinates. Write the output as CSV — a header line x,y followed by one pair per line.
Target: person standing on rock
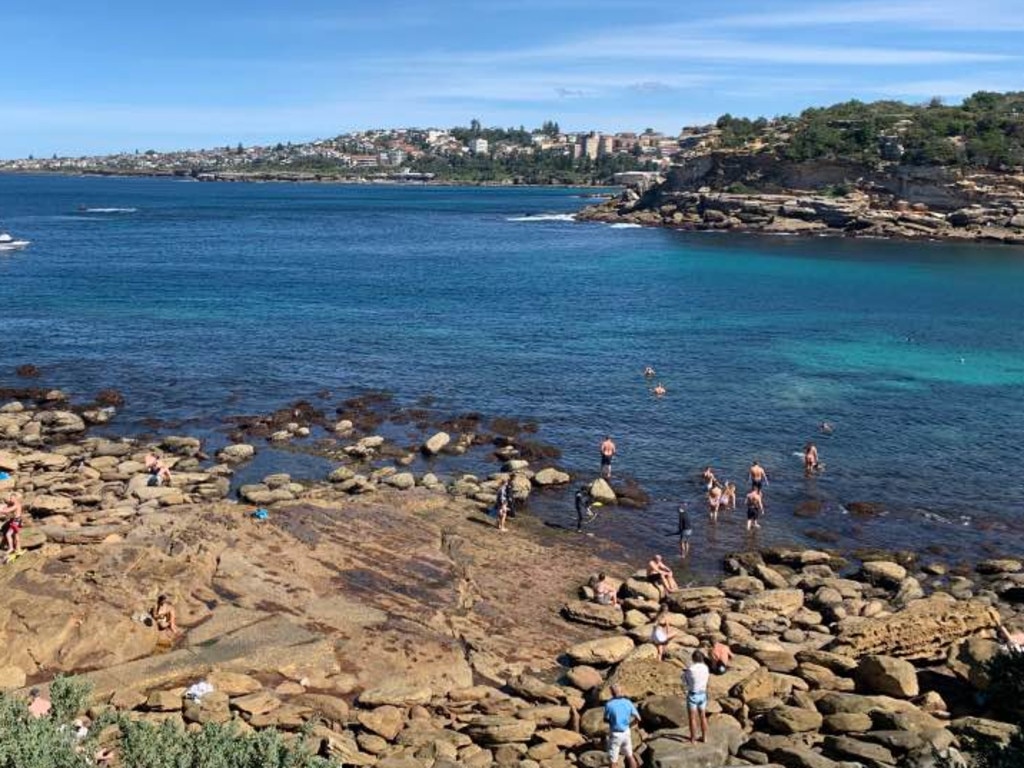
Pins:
x,y
607,454
695,680
503,503
620,713
755,508
12,527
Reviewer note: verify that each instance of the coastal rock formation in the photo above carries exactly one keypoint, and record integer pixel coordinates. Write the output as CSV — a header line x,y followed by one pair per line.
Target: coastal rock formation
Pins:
x,y
781,197
923,630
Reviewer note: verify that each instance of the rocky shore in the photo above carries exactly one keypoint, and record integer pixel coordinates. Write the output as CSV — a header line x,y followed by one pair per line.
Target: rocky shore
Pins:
x,y
383,606
727,195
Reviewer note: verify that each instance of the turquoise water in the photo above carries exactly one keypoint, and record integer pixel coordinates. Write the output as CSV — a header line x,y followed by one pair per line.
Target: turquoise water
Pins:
x,y
209,300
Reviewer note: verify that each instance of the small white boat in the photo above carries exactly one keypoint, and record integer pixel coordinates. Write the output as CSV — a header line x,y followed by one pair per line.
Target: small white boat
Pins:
x,y
8,243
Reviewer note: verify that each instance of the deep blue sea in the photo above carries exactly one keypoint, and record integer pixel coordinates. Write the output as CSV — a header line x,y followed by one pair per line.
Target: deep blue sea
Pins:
x,y
208,300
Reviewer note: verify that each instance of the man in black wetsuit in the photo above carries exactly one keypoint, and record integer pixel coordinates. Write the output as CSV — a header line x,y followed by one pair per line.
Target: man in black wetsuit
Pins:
x,y
685,531
583,511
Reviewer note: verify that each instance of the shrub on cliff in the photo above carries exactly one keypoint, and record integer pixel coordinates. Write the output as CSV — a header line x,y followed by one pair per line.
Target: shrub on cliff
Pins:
x,y
1006,695
53,741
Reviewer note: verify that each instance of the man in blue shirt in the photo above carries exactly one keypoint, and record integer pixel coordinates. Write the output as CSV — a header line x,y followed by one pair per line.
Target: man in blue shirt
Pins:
x,y
620,713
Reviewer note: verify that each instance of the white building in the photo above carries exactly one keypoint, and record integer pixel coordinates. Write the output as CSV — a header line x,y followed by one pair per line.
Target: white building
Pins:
x,y
478,146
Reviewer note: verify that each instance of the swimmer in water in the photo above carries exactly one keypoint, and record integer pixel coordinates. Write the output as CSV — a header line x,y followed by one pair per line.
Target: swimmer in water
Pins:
x,y
649,372
659,390
826,428
811,464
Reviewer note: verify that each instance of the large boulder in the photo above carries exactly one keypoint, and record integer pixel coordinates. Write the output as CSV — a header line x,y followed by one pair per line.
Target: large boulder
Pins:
x,y
671,748
435,444
602,652
551,476
594,614
787,720
601,491
923,630
696,600
774,602
887,676
498,729
236,453
883,573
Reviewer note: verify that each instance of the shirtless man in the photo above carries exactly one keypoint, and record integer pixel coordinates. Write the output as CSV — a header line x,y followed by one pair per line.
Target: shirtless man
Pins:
x,y
720,657
164,615
659,390
661,576
755,508
810,459
159,474
12,528
38,705
607,454
758,477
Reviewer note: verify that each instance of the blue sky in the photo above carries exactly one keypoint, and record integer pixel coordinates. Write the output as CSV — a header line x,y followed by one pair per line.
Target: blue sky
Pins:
x,y
88,77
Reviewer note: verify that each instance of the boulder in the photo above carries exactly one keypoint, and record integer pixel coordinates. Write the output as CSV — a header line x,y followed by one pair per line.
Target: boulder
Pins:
x,y
551,476
435,444
603,651
799,756
233,683
236,454
788,720
663,711
641,587
774,602
923,630
46,504
584,677
696,600
847,722
757,686
385,721
862,752
642,677
593,614
396,692
403,481
887,676
496,729
60,422
671,748
602,492
883,573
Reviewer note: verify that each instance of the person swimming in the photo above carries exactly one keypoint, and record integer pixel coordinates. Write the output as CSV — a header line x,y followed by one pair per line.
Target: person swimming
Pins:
x,y
659,390
649,372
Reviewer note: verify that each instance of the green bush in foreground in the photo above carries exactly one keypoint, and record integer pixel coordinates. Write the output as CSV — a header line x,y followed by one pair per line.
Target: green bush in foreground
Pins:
x,y
50,742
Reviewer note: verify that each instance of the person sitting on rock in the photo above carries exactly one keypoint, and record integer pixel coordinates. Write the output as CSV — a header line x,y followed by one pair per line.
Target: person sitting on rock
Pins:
x,y
604,591
719,657
164,616
661,576
13,510
159,473
662,633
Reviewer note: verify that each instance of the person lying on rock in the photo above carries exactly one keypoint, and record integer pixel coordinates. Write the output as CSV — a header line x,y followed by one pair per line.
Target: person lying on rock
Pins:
x,y
661,576
38,705
164,615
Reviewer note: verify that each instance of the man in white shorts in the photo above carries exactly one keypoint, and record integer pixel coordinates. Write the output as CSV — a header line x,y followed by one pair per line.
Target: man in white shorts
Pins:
x,y
620,713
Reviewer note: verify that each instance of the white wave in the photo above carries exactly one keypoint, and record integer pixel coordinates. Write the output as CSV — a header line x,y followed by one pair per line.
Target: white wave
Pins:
x,y
624,225
544,217
109,210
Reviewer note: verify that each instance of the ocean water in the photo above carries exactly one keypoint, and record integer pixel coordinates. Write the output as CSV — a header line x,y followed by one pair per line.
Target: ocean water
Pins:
x,y
201,301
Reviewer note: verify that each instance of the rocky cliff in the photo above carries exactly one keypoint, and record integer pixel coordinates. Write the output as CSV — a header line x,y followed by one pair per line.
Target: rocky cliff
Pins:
x,y
761,193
